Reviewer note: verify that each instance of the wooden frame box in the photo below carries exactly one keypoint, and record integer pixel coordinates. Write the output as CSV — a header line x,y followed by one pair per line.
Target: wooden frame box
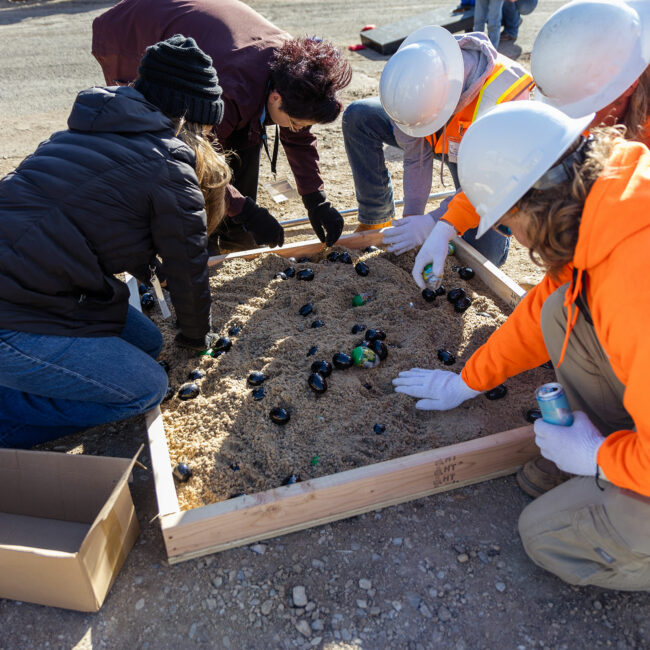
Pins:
x,y
242,520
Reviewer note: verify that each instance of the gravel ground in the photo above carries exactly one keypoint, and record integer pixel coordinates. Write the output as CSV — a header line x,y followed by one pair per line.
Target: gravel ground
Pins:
x,y
447,571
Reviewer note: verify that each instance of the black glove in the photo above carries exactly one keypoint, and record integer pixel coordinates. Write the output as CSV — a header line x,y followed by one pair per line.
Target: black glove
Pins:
x,y
326,221
200,344
264,227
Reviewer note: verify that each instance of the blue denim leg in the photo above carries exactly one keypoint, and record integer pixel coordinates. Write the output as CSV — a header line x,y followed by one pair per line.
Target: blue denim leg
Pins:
x,y
494,21
510,18
366,128
492,245
54,385
480,15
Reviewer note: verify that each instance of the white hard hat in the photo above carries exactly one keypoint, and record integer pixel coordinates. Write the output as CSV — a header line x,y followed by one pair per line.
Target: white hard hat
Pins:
x,y
421,84
509,149
589,52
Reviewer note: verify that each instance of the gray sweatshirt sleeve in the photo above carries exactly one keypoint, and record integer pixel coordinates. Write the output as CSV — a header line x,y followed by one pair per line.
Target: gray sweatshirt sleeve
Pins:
x,y
418,169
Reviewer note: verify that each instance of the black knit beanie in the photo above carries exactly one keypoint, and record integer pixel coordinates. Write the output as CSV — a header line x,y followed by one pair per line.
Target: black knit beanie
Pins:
x,y
178,77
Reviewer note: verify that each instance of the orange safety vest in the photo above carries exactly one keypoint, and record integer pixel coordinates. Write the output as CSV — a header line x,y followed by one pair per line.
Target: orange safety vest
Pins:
x,y
507,82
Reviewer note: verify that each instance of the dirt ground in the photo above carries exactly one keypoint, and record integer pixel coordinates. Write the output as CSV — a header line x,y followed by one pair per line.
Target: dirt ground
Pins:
x,y
447,571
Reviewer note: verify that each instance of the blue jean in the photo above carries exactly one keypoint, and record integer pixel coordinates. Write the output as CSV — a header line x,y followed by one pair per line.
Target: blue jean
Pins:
x,y
366,128
51,386
512,12
489,11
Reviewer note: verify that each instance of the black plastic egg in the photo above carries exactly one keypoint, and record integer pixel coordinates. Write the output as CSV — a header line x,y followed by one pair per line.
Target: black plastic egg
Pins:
x,y
256,378
379,348
307,275
280,276
291,479
362,269
222,344
342,360
307,309
195,374
291,260
548,365
462,304
370,249
323,368
441,291
302,260
447,358
312,351
455,294
258,393
379,428
317,323
142,288
357,328
234,330
182,472
317,383
496,393
188,391
374,335
333,256
279,415
289,271
164,365
466,273
345,258
147,301
532,415
234,467
169,394
429,294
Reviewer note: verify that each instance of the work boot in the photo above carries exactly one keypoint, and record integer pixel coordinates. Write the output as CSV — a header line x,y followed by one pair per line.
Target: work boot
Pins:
x,y
362,227
540,475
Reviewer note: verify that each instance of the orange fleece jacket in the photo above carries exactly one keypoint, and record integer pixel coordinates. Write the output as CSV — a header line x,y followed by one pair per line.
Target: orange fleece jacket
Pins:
x,y
612,253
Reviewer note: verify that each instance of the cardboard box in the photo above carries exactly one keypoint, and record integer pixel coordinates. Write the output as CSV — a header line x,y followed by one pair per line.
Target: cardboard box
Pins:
x,y
67,523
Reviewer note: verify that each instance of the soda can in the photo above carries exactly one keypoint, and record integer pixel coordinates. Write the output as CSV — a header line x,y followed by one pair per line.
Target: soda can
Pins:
x,y
554,405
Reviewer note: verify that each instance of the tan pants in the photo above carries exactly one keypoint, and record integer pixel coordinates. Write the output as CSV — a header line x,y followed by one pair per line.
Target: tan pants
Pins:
x,y
578,532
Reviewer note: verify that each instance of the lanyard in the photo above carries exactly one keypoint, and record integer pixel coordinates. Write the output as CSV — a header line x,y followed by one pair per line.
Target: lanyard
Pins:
x,y
273,159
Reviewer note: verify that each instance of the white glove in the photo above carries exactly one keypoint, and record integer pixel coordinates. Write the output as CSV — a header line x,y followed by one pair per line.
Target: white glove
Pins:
x,y
411,232
442,390
573,449
408,233
434,252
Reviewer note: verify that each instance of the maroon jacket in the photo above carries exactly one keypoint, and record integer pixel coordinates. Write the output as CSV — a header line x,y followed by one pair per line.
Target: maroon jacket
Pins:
x,y
241,43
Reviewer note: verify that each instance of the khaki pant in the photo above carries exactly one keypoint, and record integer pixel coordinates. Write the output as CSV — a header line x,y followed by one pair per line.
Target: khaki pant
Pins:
x,y
578,532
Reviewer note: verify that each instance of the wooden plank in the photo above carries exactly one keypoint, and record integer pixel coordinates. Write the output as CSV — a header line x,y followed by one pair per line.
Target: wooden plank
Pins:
x,y
388,38
282,510
497,281
160,463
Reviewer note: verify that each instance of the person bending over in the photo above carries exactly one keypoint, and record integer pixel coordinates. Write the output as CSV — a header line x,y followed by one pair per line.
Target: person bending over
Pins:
x,y
268,78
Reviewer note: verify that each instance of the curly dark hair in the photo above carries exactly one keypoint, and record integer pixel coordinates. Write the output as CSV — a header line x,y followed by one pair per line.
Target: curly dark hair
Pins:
x,y
308,72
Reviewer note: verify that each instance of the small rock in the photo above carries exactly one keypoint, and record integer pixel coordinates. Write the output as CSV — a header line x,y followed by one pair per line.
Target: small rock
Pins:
x,y
260,549
217,582
500,586
317,564
317,625
299,596
444,614
139,605
362,604
462,558
365,584
598,605
266,607
397,541
303,628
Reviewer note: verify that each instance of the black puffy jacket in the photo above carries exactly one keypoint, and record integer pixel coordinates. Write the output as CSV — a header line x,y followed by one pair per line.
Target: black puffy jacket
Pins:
x,y
103,197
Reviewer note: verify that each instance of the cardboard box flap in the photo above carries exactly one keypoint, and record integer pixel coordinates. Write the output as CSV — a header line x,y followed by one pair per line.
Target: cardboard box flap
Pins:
x,y
57,486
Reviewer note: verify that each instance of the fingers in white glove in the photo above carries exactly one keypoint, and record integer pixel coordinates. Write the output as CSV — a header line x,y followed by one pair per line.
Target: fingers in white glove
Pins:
x,y
434,252
408,233
439,390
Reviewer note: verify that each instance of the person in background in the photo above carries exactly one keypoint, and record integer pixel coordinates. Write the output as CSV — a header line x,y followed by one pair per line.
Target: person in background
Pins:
x,y
582,206
268,78
511,17
489,11
430,91
133,177
590,56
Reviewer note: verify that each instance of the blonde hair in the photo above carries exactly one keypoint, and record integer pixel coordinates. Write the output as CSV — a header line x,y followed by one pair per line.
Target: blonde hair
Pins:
x,y
212,170
638,110
553,215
